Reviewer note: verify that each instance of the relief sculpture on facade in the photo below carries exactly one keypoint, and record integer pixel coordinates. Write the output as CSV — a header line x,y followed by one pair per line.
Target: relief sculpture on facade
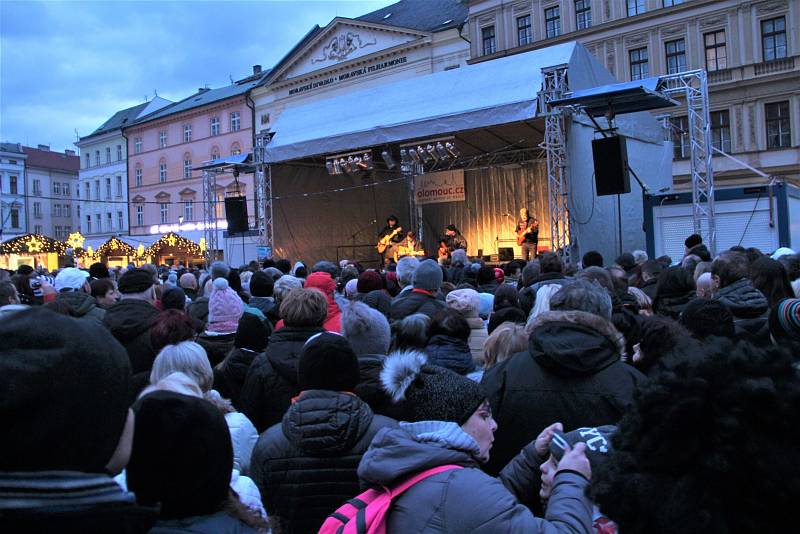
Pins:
x,y
341,46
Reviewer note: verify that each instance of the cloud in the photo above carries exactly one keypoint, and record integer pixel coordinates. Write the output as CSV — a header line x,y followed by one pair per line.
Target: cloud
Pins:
x,y
71,65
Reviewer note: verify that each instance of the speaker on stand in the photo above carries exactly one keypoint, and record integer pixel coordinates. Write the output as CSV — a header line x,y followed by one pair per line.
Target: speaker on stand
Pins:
x,y
236,214
611,174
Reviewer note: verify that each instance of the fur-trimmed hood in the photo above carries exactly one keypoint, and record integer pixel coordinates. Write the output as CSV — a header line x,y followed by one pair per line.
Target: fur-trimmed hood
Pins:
x,y
574,342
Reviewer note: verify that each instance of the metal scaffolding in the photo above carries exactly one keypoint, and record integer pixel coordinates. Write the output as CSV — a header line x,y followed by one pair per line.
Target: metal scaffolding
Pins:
x,y
693,85
210,215
554,85
263,179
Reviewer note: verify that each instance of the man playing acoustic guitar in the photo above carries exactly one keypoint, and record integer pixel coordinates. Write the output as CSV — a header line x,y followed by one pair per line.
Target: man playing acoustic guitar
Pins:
x,y
391,234
527,234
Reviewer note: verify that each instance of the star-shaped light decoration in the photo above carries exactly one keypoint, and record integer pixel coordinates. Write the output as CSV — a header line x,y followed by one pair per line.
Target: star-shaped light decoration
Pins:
x,y
172,240
202,244
34,245
75,240
140,250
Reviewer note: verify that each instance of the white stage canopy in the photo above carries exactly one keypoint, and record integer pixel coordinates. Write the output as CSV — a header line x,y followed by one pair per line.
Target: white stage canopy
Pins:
x,y
486,94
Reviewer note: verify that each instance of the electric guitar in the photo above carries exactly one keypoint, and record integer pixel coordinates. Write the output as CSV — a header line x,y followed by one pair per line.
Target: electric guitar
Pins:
x,y
524,231
386,240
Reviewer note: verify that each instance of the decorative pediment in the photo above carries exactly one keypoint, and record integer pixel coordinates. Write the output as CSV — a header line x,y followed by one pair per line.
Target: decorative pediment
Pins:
x,y
344,40
187,191
138,198
162,195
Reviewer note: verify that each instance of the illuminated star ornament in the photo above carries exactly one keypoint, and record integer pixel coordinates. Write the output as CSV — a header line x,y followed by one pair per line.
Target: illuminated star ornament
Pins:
x,y
140,250
75,240
172,240
34,245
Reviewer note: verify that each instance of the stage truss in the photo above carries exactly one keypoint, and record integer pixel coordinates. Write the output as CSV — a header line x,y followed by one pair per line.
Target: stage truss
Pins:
x,y
263,179
210,215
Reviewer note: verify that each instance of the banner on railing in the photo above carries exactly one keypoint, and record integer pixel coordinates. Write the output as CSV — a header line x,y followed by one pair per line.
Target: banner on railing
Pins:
x,y
443,186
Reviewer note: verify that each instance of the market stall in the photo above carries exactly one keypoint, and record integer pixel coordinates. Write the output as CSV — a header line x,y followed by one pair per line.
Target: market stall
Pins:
x,y
172,249
31,249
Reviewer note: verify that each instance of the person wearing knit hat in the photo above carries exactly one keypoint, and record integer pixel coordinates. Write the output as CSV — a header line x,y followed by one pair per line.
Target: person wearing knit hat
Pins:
x,y
369,281
182,459
450,426
379,300
173,298
306,466
784,322
423,297
468,302
188,283
351,289
98,270
66,430
225,308
135,281
366,329
251,339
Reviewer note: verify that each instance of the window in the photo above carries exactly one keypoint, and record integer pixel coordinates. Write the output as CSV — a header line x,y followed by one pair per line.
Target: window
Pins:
x,y
638,62
583,14
14,218
139,215
97,189
88,224
37,210
119,152
37,187
552,21
679,128
164,210
120,221
162,172
87,191
67,210
716,54
773,38
12,185
97,222
524,30
676,56
670,3
37,229
137,145
214,125
109,221
188,210
635,7
236,149
119,186
187,133
58,232
187,167
235,121
215,153
137,176
88,163
56,210
108,154
162,139
56,188
97,157
488,40
78,212
779,134
65,190
108,188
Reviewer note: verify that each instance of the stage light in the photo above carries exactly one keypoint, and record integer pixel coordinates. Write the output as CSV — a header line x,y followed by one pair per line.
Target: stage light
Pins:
x,y
426,158
414,155
431,150
452,150
387,158
330,167
441,151
365,162
404,158
337,168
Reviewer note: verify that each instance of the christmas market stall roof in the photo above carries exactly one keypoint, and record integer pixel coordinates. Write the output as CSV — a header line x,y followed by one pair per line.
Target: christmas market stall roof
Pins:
x,y
171,239
115,244
32,244
483,95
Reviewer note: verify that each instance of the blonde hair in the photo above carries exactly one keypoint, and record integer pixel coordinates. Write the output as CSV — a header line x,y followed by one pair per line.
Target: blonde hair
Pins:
x,y
543,296
177,383
304,307
506,340
185,357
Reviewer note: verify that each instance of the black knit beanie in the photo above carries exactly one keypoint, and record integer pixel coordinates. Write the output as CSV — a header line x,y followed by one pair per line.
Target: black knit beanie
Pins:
x,y
64,393
98,271
173,298
429,392
597,440
251,333
182,455
135,281
693,240
327,361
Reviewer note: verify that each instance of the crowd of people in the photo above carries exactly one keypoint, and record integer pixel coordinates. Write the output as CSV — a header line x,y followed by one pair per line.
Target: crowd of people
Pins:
x,y
639,395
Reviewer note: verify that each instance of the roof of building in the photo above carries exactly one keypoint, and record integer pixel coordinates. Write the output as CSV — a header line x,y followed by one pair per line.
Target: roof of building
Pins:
x,y
49,159
287,57
201,98
423,15
14,148
120,119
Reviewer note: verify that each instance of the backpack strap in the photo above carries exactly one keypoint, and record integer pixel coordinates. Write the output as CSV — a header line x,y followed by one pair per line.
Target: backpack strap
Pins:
x,y
422,475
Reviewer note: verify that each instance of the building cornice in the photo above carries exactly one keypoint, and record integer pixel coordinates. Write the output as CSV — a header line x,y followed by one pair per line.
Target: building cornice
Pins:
x,y
181,116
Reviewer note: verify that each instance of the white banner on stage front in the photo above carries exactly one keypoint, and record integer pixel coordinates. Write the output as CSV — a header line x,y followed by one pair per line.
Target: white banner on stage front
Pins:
x,y
443,186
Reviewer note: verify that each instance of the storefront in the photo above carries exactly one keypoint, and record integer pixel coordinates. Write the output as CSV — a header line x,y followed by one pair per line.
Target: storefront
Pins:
x,y
31,249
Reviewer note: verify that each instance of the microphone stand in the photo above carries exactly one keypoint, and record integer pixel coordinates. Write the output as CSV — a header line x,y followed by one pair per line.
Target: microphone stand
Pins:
x,y
363,228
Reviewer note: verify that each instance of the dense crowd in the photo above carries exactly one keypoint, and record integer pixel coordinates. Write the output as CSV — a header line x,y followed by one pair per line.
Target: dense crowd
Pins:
x,y
635,396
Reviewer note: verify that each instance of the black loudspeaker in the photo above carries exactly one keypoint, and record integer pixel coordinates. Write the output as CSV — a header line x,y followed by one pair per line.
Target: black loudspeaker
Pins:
x,y
506,253
611,174
236,214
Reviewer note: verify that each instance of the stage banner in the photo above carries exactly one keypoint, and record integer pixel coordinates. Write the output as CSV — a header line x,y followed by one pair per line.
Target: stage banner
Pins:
x,y
443,186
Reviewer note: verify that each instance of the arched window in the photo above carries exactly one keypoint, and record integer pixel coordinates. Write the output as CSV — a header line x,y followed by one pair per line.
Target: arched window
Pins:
x,y
236,149
162,170
214,152
187,165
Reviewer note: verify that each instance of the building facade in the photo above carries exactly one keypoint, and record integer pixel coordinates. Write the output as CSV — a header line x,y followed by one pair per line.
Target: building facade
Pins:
x,y
102,191
165,146
750,49
52,178
13,191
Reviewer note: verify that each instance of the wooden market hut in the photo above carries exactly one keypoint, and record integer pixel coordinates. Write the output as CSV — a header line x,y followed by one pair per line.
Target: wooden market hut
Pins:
x,y
172,249
33,250
116,252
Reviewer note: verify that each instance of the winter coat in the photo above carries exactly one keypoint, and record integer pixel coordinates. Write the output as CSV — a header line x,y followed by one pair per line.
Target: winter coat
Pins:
x,y
198,309
455,274
750,310
218,523
271,381
415,301
672,305
84,306
370,388
451,353
243,439
527,297
130,321
306,465
268,307
217,345
649,288
229,375
468,500
489,287
477,338
9,309
571,373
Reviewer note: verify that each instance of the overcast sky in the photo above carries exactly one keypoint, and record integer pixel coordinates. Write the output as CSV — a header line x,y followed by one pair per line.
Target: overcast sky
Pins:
x,y
67,66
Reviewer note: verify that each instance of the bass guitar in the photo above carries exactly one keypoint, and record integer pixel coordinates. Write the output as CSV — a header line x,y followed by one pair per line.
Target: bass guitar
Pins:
x,y
386,240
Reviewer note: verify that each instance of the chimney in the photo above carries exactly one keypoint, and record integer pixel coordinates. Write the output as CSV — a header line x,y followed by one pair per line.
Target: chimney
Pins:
x,y
68,152
45,148
256,69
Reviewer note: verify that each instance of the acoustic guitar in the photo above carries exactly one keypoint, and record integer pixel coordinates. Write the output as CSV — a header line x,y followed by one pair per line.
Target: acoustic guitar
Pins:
x,y
524,231
386,240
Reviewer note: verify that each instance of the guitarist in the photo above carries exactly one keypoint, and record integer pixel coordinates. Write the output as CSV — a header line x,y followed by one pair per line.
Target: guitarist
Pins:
x,y
527,234
388,238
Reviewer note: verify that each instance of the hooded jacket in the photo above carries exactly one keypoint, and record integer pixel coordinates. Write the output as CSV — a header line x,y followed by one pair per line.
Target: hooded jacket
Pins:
x,y
306,466
218,523
451,353
326,284
467,499
130,321
749,307
229,376
477,338
415,301
271,380
672,305
571,373
84,306
217,346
